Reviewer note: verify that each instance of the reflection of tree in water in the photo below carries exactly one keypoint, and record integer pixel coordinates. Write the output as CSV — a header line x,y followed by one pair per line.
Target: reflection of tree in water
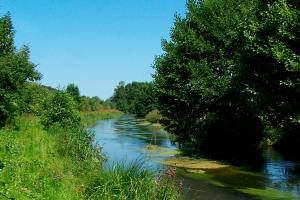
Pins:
x,y
282,174
129,126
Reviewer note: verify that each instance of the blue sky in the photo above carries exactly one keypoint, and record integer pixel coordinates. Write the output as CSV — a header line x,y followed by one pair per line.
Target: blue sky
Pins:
x,y
93,43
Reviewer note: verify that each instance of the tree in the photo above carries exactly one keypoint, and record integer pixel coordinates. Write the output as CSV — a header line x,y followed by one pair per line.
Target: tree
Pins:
x,y
91,104
73,90
15,70
230,67
275,46
137,98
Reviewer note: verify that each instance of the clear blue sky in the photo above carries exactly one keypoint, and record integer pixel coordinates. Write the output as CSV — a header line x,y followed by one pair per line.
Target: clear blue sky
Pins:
x,y
93,43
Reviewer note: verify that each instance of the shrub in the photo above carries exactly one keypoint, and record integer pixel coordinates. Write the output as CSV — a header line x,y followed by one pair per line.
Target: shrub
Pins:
x,y
60,109
153,116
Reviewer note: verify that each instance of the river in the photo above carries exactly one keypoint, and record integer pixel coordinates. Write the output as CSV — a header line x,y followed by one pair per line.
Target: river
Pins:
x,y
127,139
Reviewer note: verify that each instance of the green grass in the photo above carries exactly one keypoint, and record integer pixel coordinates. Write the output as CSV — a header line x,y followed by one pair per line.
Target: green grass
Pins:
x,y
62,164
128,181
31,166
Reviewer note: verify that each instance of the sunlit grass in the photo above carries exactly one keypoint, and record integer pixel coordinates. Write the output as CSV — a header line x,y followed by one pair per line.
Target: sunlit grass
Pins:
x,y
128,181
32,168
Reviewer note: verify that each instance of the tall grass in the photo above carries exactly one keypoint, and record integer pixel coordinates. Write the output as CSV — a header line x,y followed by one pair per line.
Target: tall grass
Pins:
x,y
130,181
32,168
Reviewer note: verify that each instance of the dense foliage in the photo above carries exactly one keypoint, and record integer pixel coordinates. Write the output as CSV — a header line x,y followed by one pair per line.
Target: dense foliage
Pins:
x,y
136,98
230,70
92,103
15,70
73,90
32,96
60,108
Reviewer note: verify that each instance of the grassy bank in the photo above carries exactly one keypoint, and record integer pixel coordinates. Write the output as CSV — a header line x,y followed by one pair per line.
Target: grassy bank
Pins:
x,y
33,167
58,163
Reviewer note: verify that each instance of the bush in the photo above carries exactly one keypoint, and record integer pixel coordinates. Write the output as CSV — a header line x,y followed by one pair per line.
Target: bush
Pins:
x,y
153,116
60,109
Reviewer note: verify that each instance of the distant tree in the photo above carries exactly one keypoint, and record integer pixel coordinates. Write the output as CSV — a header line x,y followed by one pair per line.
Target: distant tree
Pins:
x,y
15,70
137,98
73,90
91,104
119,98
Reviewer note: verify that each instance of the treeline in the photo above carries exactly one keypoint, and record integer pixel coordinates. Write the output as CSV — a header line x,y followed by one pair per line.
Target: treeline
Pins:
x,y
136,98
229,77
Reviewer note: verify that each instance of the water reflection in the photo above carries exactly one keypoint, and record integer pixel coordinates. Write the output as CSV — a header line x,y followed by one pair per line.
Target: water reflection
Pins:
x,y
282,174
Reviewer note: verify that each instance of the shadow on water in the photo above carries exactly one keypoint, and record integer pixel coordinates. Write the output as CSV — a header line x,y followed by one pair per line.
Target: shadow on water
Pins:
x,y
271,176
275,178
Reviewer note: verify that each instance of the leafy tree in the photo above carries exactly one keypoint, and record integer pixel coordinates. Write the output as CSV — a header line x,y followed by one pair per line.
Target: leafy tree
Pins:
x,y
15,70
230,67
275,46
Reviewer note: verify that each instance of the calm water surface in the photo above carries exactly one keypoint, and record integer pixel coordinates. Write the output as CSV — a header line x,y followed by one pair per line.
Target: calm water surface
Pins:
x,y
124,139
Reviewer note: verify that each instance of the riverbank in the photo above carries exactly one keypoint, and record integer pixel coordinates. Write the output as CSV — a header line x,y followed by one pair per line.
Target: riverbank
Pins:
x,y
39,163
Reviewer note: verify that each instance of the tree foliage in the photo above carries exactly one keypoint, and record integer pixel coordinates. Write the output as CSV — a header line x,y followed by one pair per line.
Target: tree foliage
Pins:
x,y
91,103
15,70
230,68
136,98
73,90
32,96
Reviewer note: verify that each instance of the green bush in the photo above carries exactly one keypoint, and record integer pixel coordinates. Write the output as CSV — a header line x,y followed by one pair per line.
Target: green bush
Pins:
x,y
60,109
153,116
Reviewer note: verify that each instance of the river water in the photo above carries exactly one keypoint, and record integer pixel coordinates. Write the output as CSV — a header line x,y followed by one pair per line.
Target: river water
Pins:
x,y
125,139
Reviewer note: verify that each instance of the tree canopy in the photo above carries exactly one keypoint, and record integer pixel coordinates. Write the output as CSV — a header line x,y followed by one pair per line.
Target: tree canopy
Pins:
x,y
230,69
